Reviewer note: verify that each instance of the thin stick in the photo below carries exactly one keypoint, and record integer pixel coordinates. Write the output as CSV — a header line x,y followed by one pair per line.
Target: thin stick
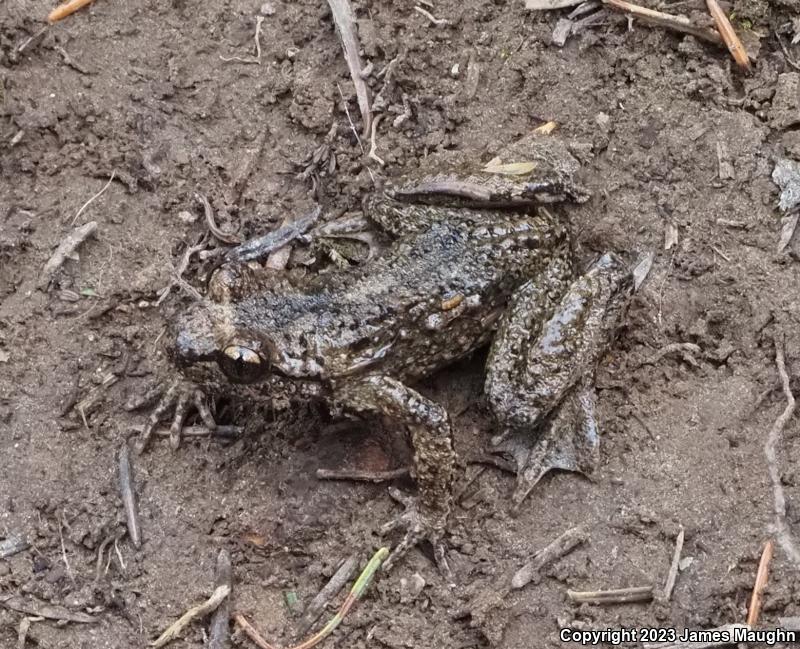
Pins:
x,y
439,22
250,631
67,246
93,198
61,524
555,550
174,630
356,592
328,592
345,20
784,535
66,9
218,232
349,119
673,569
252,60
363,476
219,630
126,489
372,144
660,19
618,596
725,29
762,575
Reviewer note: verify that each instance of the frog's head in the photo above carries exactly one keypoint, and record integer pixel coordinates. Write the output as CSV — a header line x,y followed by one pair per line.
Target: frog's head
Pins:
x,y
206,349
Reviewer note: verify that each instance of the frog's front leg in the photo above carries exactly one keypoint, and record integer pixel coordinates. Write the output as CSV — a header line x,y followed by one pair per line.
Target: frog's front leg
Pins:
x,y
541,370
434,458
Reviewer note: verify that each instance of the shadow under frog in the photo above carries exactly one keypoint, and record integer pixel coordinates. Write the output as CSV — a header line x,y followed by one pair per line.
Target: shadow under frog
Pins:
x,y
475,260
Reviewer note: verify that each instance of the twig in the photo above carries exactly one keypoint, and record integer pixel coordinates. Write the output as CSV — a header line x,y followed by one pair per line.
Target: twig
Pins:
x,y
721,254
225,431
684,349
439,22
674,566
762,575
100,551
127,491
218,232
66,9
260,247
728,34
328,592
67,246
784,534
363,476
24,627
93,198
36,608
174,630
26,43
250,631
219,630
555,550
349,119
345,20
356,592
619,596
64,548
792,64
660,19
372,143
180,270
256,60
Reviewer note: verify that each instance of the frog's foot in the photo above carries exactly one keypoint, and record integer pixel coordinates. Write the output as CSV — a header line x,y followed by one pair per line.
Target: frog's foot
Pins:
x,y
542,363
419,525
180,396
569,441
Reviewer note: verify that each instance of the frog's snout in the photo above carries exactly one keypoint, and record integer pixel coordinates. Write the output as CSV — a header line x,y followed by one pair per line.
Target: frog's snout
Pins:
x,y
193,338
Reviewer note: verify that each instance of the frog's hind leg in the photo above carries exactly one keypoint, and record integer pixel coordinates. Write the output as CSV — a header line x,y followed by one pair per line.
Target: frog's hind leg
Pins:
x,y
434,459
539,379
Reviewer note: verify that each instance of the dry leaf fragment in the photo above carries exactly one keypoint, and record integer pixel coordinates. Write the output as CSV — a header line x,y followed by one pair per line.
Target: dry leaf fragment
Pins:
x,y
509,168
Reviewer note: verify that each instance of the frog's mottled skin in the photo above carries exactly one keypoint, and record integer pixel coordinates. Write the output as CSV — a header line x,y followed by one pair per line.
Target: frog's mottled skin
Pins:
x,y
454,279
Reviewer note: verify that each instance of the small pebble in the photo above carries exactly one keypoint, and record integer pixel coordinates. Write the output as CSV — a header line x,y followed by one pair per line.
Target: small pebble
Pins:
x,y
411,588
267,9
454,71
186,216
5,569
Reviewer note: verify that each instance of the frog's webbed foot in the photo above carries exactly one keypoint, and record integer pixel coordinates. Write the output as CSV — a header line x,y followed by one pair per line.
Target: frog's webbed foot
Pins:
x,y
569,441
180,396
434,460
541,369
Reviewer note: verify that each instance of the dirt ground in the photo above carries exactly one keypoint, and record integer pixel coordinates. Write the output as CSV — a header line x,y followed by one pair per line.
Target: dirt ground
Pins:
x,y
670,134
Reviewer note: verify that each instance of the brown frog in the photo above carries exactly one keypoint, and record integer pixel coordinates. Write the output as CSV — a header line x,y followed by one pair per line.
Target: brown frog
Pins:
x,y
473,262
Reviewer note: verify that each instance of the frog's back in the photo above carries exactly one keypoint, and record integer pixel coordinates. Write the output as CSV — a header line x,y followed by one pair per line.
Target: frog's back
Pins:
x,y
430,299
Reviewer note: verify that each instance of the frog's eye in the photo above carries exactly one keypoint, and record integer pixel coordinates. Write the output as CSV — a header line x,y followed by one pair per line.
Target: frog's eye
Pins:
x,y
242,365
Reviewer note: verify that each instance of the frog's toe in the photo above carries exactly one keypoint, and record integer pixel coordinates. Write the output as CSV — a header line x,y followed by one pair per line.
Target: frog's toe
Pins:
x,y
180,397
569,442
419,525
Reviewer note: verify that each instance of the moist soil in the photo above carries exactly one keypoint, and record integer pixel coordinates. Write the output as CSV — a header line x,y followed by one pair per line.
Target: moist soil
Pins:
x,y
672,137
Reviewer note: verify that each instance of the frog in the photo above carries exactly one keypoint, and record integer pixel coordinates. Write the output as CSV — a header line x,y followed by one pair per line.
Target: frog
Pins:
x,y
477,257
